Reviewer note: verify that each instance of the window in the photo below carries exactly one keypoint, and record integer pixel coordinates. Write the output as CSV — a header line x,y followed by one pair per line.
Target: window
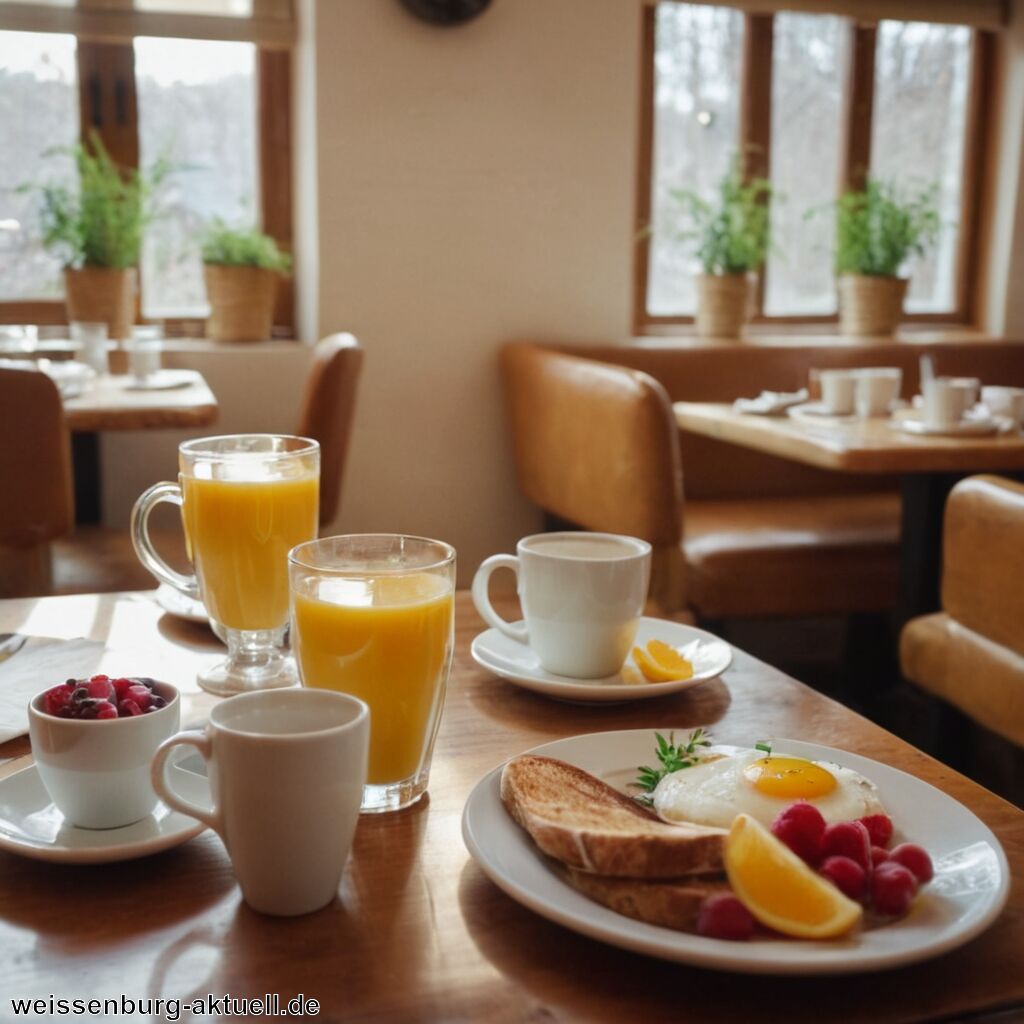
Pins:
x,y
814,102
217,110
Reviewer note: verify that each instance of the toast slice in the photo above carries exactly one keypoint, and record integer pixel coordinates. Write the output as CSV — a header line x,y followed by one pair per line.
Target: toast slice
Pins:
x,y
581,821
671,903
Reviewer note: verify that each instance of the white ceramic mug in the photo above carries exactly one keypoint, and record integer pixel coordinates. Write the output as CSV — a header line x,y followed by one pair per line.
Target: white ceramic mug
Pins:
x,y
97,770
287,769
837,390
946,399
582,596
877,388
1004,401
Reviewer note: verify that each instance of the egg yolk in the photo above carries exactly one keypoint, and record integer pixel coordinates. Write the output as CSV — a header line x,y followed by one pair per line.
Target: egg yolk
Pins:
x,y
790,778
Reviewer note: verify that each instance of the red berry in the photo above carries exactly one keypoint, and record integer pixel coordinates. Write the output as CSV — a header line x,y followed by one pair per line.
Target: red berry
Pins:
x,y
893,888
801,827
57,700
879,856
847,876
848,839
128,708
140,694
100,689
722,916
121,687
915,859
99,676
107,710
879,828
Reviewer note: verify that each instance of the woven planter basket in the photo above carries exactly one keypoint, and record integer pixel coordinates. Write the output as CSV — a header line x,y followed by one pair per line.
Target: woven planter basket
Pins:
x,y
870,306
102,295
241,302
723,304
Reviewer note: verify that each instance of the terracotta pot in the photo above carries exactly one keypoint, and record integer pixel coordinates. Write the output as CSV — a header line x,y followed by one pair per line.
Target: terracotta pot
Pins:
x,y
102,295
723,304
870,306
241,302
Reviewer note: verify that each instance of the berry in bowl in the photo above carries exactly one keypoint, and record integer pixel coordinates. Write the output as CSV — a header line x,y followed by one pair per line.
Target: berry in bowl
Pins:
x,y
93,740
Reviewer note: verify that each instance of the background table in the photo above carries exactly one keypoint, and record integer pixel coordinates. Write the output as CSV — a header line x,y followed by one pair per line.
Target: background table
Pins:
x,y
928,468
419,933
107,403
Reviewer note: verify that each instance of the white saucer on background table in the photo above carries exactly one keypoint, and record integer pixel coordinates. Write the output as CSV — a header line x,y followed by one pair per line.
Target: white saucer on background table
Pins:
x,y
162,380
978,427
818,412
31,826
518,664
967,894
177,604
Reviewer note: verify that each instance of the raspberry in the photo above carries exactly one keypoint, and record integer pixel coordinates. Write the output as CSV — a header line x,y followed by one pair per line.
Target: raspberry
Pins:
x,y
915,859
722,916
128,708
893,888
847,876
121,687
100,689
107,711
57,700
879,828
848,839
879,856
140,694
801,827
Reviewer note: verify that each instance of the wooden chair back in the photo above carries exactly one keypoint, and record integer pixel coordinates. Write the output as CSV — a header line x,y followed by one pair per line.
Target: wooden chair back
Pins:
x,y
327,412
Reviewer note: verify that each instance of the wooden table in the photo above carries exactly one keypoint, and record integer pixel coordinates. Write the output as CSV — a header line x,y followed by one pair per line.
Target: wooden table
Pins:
x,y
108,403
419,933
928,468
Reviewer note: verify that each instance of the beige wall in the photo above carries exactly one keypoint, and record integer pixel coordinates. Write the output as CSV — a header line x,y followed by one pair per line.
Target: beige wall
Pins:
x,y
475,184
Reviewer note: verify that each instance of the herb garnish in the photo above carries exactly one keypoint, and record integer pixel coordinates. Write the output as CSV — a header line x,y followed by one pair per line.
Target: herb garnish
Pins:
x,y
673,757
765,746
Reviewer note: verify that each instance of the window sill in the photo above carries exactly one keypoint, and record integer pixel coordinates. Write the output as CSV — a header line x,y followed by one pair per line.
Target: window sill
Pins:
x,y
685,336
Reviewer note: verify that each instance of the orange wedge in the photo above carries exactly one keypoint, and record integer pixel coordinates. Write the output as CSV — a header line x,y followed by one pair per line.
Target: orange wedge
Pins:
x,y
779,889
661,663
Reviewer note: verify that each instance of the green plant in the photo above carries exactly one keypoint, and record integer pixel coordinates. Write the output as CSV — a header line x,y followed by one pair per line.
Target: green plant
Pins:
x,y
879,228
732,233
235,247
102,222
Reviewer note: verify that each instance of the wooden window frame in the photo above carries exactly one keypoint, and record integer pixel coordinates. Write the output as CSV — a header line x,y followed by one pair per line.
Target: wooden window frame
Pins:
x,y
755,143
108,103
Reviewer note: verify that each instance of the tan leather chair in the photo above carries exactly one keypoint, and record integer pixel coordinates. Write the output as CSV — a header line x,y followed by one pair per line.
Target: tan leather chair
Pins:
x,y
596,445
36,498
328,410
971,654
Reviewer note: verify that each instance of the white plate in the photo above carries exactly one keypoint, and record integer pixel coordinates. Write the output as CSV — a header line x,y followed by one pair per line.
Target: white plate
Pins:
x,y
162,380
965,428
770,403
818,412
176,603
517,663
970,888
32,827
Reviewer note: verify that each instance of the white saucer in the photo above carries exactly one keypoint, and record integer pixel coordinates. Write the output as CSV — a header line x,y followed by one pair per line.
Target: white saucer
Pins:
x,y
517,663
818,412
176,603
31,826
965,428
162,380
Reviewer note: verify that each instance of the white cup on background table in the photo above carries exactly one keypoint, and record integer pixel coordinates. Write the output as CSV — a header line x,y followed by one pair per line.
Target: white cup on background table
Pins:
x,y
877,389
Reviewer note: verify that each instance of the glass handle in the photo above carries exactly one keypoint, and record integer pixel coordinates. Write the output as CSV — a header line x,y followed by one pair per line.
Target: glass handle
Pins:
x,y
187,585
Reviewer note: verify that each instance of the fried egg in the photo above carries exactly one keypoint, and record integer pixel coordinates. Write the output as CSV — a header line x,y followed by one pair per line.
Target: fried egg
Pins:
x,y
728,782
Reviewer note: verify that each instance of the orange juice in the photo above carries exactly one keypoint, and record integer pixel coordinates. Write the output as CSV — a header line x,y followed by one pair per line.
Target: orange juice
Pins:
x,y
387,640
239,533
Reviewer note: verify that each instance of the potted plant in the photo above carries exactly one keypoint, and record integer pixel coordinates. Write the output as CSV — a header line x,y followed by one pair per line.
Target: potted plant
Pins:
x,y
97,231
242,268
878,230
732,236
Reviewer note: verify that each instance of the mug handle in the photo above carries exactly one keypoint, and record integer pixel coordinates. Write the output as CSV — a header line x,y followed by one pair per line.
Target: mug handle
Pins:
x,y
158,776
147,554
481,598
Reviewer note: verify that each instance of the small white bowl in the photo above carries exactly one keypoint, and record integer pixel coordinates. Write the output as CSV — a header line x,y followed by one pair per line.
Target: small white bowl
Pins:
x,y
97,770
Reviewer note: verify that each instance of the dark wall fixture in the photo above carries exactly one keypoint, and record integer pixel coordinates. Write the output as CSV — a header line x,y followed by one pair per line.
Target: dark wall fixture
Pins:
x,y
446,12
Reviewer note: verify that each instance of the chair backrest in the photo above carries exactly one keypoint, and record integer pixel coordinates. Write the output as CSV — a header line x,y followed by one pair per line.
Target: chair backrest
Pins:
x,y
36,497
327,412
983,559
595,444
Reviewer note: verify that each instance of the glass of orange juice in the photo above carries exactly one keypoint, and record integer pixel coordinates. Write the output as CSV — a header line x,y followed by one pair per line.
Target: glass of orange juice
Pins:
x,y
246,500
373,616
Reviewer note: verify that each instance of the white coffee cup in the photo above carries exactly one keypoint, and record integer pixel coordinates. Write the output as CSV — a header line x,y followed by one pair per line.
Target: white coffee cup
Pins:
x,y
946,399
1004,401
287,769
97,770
93,339
582,596
877,388
837,390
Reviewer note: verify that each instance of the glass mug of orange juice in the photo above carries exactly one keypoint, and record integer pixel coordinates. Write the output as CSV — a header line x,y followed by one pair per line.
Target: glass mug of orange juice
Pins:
x,y
373,616
246,500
